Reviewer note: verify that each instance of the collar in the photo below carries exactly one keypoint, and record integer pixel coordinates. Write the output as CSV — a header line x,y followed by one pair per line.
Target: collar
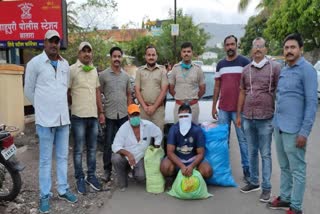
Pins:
x,y
266,63
298,63
192,64
45,57
155,67
111,71
80,64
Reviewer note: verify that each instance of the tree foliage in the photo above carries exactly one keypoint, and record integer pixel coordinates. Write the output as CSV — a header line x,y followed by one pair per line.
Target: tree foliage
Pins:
x,y
188,31
296,16
83,23
100,48
254,29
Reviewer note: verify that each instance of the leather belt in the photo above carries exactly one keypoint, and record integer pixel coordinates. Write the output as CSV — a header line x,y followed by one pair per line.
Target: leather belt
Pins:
x,y
190,102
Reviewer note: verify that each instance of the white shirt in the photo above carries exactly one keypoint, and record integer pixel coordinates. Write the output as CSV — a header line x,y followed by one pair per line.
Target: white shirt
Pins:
x,y
47,90
125,139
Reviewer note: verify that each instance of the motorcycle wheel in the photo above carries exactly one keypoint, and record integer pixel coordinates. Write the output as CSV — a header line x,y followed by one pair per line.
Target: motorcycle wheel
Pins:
x,y
10,183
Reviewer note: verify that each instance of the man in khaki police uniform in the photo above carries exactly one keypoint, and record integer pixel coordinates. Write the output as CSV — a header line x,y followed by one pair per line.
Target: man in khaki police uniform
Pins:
x,y
115,85
86,107
187,83
151,86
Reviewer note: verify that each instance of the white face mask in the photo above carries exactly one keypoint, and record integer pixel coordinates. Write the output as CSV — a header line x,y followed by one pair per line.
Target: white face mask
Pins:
x,y
185,123
260,64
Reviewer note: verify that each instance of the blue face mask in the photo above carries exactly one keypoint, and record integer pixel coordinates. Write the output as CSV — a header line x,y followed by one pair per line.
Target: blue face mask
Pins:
x,y
185,66
135,121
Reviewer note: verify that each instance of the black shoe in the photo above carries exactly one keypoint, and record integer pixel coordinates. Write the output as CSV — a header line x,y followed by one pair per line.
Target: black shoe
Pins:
x,y
278,204
250,188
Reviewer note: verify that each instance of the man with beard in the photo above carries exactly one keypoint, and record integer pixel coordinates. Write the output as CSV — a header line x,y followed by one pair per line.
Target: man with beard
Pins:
x,y
258,83
46,86
130,145
86,107
185,147
186,83
226,90
115,85
151,87
296,108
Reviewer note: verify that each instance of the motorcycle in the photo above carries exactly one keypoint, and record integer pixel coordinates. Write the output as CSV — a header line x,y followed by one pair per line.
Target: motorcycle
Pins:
x,y
10,179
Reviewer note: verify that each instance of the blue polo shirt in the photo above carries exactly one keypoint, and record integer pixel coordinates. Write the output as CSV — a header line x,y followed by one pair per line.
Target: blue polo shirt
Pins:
x,y
296,98
186,146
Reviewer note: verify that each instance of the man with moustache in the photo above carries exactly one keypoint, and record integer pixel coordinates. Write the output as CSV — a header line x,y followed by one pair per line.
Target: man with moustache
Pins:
x,y
256,100
151,87
115,85
296,108
46,86
86,107
226,90
186,83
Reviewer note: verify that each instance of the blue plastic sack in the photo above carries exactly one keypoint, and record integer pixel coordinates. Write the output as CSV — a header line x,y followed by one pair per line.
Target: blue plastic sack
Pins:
x,y
217,153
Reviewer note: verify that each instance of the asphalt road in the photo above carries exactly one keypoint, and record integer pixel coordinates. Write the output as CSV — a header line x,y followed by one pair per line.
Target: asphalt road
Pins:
x,y
225,200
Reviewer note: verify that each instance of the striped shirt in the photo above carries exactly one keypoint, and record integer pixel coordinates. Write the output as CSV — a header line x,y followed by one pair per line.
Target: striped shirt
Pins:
x,y
229,74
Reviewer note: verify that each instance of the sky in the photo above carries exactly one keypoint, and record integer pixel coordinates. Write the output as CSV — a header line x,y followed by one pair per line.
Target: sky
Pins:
x,y
218,11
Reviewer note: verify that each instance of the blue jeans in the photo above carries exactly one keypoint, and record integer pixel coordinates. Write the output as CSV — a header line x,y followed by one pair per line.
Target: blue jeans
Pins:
x,y
259,137
49,136
85,132
112,127
293,168
225,117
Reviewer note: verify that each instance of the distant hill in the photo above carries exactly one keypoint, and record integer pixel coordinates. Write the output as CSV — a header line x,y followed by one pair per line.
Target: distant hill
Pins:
x,y
219,31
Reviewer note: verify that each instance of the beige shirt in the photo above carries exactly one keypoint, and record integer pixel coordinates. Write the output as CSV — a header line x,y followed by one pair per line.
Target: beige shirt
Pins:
x,y
83,87
151,81
115,88
186,82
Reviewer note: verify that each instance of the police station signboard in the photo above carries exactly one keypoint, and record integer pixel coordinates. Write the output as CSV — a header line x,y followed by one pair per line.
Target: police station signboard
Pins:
x,y
23,24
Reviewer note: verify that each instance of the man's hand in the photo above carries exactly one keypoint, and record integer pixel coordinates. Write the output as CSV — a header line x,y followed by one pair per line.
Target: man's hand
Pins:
x,y
301,141
214,113
151,110
131,160
189,170
238,122
102,119
184,170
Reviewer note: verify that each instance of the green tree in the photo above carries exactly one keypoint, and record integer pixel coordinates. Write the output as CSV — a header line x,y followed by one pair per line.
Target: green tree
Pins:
x,y
164,42
83,24
254,29
188,31
99,45
137,47
296,16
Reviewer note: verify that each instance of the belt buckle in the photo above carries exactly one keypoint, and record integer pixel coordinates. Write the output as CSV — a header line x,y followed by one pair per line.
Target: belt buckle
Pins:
x,y
187,102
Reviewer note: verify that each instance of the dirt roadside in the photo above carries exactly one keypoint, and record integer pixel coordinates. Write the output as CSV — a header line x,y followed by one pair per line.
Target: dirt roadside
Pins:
x,y
27,201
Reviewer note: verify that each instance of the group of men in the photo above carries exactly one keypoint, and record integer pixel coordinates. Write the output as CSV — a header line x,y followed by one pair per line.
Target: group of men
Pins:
x,y
262,99
246,92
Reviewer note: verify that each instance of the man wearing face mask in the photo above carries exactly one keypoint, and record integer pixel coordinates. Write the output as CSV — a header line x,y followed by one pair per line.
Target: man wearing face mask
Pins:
x,y
151,87
115,85
226,90
86,108
186,83
185,147
130,144
258,84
